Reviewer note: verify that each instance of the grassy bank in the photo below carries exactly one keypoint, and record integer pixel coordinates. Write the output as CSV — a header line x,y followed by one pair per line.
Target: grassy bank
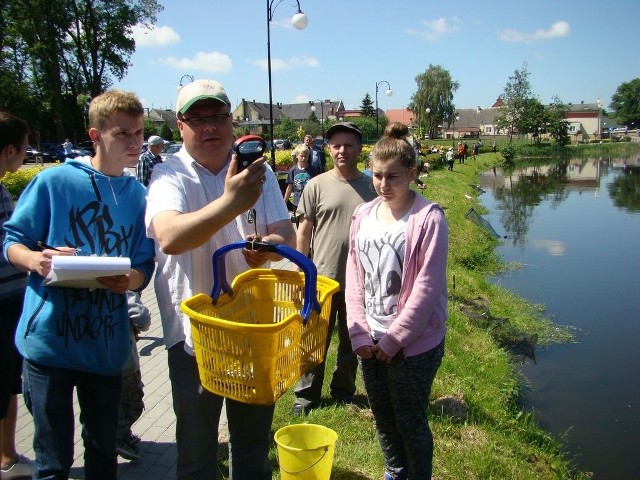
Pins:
x,y
497,440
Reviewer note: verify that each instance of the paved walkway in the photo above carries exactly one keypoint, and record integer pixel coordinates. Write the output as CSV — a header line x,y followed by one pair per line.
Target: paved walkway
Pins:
x,y
156,427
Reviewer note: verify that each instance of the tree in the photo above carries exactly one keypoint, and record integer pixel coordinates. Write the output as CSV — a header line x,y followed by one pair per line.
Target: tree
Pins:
x,y
625,102
286,128
59,49
435,90
557,125
516,93
367,108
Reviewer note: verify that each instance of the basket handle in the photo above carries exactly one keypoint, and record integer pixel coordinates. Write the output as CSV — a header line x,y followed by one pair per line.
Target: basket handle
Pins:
x,y
307,266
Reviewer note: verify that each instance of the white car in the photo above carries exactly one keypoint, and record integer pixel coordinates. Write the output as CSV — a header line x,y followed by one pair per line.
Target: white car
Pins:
x,y
169,150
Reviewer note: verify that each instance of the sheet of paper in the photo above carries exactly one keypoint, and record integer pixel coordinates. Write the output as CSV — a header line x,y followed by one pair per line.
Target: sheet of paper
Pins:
x,y
81,272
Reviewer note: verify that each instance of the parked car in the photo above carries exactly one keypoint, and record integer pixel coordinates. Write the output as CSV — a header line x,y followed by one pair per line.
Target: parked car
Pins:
x,y
169,150
282,144
33,154
56,151
87,145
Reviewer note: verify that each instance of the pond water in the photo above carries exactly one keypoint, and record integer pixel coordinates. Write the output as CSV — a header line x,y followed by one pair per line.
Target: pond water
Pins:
x,y
575,228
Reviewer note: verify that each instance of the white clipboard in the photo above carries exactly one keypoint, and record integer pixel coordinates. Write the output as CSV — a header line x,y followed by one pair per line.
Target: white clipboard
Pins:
x,y
81,272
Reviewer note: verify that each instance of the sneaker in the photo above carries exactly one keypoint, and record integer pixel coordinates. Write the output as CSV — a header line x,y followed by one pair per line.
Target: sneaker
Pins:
x,y
298,409
128,449
20,468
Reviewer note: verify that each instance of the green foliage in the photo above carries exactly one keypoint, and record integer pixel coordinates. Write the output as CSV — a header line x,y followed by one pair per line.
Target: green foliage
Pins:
x,y
367,108
508,152
165,131
287,128
56,51
516,93
18,181
150,128
435,90
625,102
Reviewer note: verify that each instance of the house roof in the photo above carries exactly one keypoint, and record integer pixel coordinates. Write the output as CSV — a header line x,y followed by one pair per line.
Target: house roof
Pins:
x,y
257,111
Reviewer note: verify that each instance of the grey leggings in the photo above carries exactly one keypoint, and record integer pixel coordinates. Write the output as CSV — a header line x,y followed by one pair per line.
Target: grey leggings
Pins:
x,y
399,397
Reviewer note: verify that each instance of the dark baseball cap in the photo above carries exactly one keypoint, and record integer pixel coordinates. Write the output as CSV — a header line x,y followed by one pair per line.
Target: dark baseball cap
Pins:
x,y
344,127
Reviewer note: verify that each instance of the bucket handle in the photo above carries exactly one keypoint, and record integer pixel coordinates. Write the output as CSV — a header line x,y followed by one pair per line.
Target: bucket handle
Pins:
x,y
326,449
307,266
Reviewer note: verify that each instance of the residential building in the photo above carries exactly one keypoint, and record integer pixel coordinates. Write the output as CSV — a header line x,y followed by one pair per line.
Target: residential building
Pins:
x,y
255,115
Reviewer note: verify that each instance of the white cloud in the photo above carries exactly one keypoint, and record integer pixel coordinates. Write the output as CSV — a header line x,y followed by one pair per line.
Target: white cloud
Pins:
x,y
301,99
280,64
202,61
153,36
435,29
558,29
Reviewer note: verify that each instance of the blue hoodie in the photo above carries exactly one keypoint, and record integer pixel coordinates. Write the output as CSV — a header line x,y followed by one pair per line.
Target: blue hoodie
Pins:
x,y
77,206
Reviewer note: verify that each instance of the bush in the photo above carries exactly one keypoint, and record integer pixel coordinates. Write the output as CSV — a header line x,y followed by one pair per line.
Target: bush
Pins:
x,y
18,181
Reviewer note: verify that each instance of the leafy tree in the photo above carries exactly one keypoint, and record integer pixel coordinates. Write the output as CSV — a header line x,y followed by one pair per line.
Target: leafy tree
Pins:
x,y
625,102
367,108
55,50
286,128
150,128
165,131
435,90
534,118
516,93
557,126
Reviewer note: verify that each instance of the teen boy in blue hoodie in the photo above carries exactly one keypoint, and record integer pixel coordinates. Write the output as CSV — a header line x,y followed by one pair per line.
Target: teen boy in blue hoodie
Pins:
x,y
76,337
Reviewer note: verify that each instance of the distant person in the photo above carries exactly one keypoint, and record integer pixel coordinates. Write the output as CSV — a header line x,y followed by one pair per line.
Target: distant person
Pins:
x,y
317,157
149,159
14,134
67,146
78,339
460,152
493,147
474,150
396,300
325,211
298,177
450,159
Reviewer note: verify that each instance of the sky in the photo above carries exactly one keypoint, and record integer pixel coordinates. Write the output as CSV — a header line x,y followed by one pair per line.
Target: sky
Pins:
x,y
579,51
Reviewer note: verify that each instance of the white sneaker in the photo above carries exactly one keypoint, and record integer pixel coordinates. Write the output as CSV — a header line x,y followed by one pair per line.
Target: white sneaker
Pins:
x,y
20,468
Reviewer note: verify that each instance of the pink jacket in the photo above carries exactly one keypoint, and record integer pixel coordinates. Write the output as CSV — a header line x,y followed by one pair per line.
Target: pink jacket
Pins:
x,y
422,306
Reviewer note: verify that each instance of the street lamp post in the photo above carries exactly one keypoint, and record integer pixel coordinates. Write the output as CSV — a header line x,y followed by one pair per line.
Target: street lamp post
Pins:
x,y
427,111
388,93
454,117
313,109
299,21
188,77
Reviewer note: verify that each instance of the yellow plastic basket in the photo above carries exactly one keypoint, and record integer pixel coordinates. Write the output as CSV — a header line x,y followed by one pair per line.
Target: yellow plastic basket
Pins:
x,y
252,343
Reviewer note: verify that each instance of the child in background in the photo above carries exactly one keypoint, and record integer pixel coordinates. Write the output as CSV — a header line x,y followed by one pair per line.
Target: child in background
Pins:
x,y
298,176
131,403
396,301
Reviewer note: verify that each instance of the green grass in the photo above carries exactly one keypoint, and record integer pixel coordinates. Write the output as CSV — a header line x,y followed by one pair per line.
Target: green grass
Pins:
x,y
498,440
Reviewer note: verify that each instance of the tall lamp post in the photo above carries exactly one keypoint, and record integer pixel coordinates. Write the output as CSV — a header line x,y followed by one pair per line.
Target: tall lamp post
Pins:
x,y
299,22
313,109
427,111
188,77
454,117
388,93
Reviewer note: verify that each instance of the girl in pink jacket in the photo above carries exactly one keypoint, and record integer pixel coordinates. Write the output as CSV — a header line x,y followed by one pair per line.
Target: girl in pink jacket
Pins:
x,y
397,306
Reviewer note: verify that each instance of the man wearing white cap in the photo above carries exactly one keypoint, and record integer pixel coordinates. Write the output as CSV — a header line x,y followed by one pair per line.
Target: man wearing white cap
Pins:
x,y
197,203
149,159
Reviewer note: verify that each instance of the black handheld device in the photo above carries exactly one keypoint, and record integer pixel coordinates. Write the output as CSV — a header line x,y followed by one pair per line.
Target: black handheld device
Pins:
x,y
248,148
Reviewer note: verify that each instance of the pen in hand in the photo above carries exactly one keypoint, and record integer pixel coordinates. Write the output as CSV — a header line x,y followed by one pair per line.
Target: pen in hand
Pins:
x,y
44,246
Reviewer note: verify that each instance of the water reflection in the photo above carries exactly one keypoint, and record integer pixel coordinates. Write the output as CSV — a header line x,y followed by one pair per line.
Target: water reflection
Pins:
x,y
518,190
574,225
